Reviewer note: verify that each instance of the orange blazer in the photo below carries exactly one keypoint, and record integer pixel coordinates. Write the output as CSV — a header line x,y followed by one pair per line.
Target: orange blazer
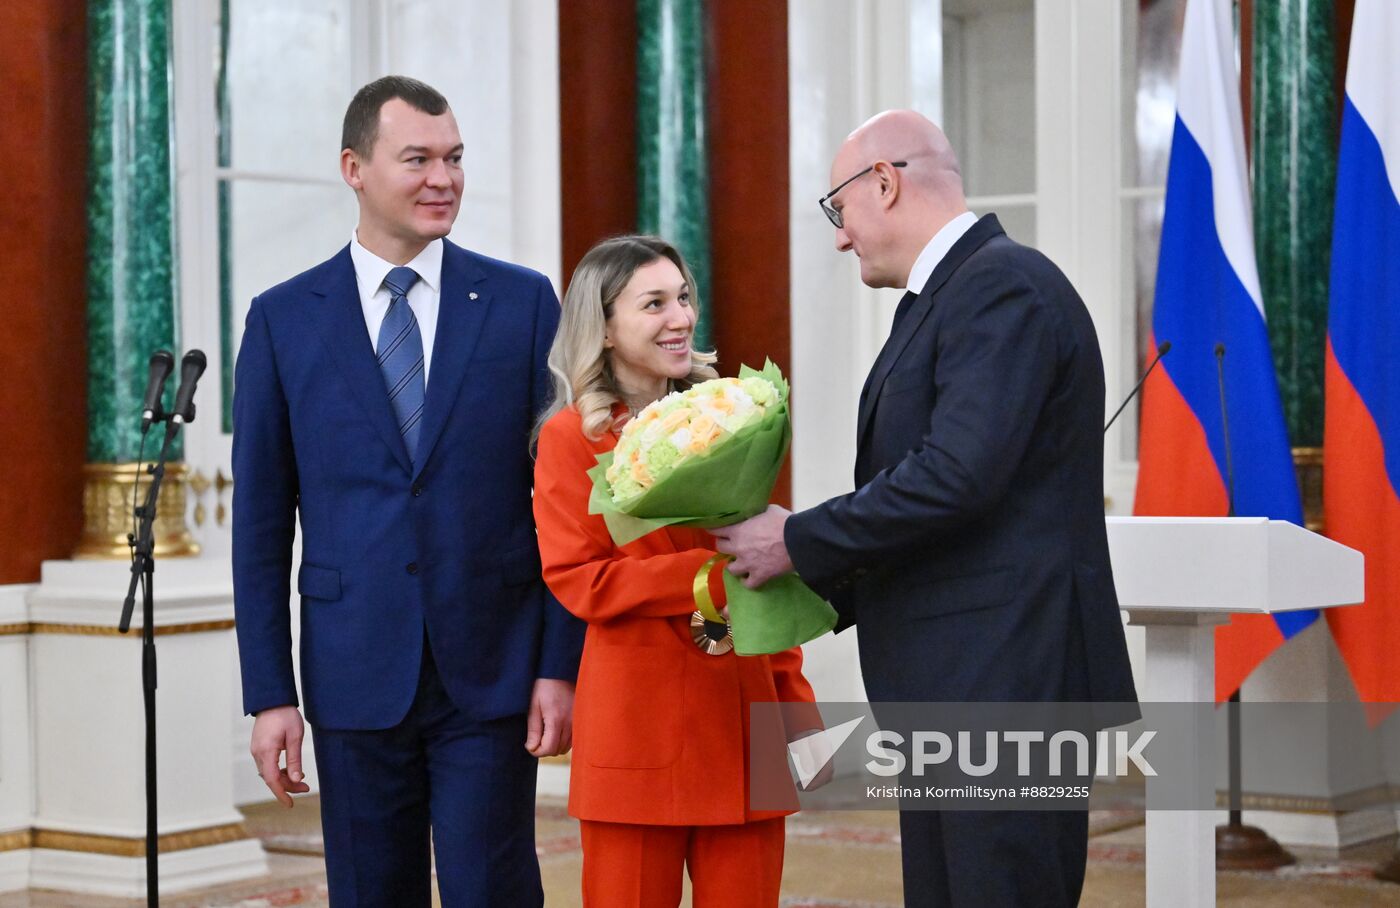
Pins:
x,y
661,729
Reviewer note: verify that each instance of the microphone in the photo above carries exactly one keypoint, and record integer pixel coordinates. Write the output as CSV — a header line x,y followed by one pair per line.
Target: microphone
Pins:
x,y
1225,424
191,368
1162,350
162,362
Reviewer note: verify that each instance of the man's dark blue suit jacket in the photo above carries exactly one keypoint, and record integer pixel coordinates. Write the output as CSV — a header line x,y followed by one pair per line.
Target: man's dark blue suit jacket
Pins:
x,y
973,553
389,548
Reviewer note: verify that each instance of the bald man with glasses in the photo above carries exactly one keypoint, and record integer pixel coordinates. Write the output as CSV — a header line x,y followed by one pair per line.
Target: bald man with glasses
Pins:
x,y
973,553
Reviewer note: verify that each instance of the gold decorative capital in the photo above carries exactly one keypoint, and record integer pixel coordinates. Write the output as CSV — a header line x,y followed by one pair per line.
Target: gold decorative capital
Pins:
x,y
107,505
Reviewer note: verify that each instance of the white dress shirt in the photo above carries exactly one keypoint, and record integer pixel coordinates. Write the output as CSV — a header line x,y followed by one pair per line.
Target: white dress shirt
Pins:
x,y
423,296
938,247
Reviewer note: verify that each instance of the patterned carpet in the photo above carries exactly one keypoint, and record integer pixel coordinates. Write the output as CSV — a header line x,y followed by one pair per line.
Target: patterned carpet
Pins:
x,y
835,859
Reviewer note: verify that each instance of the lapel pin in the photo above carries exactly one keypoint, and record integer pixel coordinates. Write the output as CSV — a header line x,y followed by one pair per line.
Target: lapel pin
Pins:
x,y
471,296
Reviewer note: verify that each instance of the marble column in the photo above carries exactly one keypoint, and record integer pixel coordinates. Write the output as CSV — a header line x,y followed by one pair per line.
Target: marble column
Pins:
x,y
1295,161
225,158
130,265
673,173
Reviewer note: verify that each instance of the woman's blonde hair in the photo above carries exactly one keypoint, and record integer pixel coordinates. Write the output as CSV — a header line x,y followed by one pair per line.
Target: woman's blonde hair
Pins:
x,y
579,364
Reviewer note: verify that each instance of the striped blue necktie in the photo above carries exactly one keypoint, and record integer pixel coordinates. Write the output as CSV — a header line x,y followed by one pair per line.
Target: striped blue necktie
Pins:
x,y
401,357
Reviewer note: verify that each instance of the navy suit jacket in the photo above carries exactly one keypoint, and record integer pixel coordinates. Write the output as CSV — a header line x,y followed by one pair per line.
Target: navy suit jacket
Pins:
x,y
389,549
973,552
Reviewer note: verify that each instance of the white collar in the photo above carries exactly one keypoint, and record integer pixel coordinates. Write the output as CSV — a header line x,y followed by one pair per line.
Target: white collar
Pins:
x,y
370,269
937,248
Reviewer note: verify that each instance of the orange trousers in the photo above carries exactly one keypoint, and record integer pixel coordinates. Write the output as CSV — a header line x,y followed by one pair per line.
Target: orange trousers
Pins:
x,y
635,866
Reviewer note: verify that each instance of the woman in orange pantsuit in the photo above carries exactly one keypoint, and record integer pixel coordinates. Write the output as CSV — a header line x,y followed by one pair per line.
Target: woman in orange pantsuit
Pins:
x,y
660,770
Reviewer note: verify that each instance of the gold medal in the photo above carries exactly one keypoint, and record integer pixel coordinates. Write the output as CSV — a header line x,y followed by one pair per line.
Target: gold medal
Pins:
x,y
708,627
713,637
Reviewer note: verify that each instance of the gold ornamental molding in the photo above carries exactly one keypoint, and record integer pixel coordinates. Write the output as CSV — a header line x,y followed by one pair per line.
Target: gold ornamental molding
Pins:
x,y
102,630
1365,799
17,840
107,504
121,846
1307,463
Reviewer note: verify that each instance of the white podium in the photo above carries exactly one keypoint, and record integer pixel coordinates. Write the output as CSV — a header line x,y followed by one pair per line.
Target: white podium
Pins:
x,y
1179,577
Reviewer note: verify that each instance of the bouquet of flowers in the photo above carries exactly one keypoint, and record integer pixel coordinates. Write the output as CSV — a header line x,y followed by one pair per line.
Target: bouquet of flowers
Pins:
x,y
707,457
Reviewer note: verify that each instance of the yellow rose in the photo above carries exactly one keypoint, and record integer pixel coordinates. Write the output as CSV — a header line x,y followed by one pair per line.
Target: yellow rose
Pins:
x,y
703,432
676,419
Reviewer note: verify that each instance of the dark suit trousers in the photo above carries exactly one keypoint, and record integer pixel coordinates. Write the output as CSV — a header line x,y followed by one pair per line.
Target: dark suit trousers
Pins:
x,y
471,783
993,859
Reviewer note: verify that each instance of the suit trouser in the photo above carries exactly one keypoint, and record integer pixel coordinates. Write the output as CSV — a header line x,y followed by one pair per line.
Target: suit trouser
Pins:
x,y
1016,859
637,866
468,783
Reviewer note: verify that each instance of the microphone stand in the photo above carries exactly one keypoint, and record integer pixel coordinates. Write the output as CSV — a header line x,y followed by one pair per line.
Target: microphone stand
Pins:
x,y
1237,846
1162,350
143,566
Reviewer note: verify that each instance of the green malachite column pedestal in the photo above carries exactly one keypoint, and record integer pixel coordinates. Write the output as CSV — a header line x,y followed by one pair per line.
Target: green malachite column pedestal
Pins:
x,y
1295,162
131,267
672,169
1294,153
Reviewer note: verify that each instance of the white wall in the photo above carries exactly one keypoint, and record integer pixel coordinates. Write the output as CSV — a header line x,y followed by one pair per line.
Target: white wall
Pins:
x,y
842,68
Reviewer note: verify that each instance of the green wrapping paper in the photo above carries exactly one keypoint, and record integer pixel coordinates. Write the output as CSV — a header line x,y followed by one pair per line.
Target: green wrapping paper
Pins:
x,y
730,484
781,614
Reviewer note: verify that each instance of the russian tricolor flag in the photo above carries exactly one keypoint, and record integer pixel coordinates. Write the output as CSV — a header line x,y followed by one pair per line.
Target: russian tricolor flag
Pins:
x,y
1208,294
1361,472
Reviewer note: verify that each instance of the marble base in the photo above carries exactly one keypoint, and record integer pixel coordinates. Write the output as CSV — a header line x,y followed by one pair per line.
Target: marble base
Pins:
x,y
1332,831
87,732
553,780
14,870
125,877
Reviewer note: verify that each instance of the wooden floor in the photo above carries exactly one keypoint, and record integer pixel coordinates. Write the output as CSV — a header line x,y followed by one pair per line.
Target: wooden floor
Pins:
x,y
838,859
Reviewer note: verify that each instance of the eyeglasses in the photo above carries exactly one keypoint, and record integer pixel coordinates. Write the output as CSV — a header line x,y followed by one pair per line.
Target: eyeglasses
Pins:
x,y
832,214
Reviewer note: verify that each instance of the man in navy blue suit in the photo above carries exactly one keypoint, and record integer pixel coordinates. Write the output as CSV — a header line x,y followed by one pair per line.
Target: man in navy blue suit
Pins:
x,y
384,399
973,553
